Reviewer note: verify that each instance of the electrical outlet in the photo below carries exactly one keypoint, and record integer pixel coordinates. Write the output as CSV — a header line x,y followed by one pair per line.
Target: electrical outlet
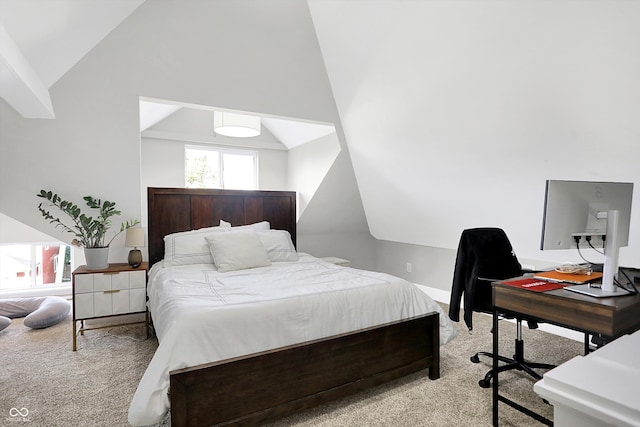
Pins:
x,y
409,267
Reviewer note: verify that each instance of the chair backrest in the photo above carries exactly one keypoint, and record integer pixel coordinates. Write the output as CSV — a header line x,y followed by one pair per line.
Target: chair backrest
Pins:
x,y
483,253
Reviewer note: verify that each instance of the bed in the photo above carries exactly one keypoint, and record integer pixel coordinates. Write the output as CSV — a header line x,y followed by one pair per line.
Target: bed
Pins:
x,y
240,363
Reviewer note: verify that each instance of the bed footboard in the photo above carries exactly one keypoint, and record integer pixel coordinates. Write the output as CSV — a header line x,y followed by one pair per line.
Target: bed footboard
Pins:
x,y
273,384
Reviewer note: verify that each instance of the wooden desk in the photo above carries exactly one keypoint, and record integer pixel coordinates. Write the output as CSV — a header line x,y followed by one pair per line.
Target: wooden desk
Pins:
x,y
612,317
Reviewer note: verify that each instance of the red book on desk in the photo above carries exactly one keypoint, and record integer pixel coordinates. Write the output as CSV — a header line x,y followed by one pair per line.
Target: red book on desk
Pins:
x,y
576,279
533,284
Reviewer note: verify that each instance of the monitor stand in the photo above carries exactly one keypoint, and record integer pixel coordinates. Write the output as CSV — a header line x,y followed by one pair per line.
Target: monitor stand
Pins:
x,y
611,251
594,290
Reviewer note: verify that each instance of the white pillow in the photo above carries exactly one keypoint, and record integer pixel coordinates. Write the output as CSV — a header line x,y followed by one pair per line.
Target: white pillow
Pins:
x,y
237,250
278,245
188,247
224,223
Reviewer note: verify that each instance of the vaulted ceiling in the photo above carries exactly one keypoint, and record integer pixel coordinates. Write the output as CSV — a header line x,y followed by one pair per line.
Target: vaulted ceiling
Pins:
x,y
41,40
281,133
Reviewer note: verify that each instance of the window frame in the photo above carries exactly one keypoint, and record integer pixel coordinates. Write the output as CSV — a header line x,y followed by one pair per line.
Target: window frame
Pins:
x,y
35,285
221,152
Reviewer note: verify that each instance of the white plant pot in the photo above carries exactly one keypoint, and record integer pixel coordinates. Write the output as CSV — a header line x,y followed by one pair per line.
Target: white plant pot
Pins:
x,y
96,258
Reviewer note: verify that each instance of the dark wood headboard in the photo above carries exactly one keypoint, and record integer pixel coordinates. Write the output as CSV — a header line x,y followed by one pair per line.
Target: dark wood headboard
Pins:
x,y
181,209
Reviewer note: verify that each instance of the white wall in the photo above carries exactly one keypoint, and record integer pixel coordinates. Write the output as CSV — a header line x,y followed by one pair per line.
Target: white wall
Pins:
x,y
430,266
334,222
321,175
272,170
452,113
163,155
307,166
243,55
331,219
456,112
163,165
14,232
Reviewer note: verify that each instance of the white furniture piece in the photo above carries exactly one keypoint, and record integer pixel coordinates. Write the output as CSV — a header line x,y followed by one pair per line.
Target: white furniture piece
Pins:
x,y
117,290
600,389
337,261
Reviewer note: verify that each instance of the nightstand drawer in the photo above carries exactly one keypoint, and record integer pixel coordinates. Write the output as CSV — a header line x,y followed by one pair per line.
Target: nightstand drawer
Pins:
x,y
83,283
120,280
83,306
112,280
137,299
111,302
138,279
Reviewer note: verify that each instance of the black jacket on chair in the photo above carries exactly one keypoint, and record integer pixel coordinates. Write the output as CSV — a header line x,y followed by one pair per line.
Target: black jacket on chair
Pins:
x,y
483,253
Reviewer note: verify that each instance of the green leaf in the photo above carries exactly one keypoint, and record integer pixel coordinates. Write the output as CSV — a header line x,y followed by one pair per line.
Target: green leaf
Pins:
x,y
89,231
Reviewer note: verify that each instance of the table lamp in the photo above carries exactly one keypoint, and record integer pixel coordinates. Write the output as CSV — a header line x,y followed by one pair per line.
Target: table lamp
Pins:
x,y
135,238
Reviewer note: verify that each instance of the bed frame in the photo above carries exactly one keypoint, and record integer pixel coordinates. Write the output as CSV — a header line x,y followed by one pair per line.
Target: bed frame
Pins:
x,y
252,389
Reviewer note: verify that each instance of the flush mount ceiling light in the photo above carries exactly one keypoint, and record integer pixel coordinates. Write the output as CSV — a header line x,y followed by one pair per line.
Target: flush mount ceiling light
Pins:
x,y
236,125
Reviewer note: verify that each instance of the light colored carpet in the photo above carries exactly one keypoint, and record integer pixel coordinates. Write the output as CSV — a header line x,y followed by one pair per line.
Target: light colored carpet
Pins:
x,y
94,385
60,387
455,399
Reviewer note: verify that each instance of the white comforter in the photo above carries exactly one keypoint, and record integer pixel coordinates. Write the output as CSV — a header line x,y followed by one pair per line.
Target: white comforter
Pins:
x,y
201,315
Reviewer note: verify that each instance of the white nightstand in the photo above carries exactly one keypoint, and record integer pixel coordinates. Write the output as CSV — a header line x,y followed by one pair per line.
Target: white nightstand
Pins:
x,y
337,261
115,291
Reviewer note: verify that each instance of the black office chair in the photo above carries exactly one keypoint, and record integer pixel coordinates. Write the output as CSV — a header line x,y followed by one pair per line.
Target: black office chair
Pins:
x,y
486,255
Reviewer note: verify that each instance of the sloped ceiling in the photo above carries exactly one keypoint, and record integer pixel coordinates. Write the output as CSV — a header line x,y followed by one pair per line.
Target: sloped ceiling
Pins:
x,y
288,133
97,100
452,108
442,103
41,40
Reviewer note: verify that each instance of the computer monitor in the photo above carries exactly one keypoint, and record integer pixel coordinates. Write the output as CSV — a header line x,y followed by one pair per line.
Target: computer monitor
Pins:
x,y
586,212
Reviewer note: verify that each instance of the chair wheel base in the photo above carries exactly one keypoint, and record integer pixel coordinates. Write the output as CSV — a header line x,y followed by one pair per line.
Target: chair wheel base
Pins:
x,y
475,358
484,383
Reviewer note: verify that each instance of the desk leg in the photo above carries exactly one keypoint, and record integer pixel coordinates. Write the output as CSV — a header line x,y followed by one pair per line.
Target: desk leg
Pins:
x,y
495,369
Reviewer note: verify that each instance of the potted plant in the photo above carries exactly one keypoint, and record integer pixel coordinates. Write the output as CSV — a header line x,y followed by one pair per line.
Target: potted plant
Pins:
x,y
89,232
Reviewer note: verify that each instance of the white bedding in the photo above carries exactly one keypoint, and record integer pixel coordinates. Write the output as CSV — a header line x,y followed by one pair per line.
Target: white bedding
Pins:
x,y
201,315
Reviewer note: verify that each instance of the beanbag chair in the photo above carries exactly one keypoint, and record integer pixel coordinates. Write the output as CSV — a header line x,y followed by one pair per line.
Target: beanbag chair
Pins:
x,y
40,312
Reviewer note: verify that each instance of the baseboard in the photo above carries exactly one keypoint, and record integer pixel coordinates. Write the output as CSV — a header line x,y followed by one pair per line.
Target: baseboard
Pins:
x,y
435,293
62,291
443,296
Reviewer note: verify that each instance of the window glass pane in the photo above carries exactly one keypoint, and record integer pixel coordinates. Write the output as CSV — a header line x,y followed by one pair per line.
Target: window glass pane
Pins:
x,y
34,266
209,168
239,171
202,168
15,266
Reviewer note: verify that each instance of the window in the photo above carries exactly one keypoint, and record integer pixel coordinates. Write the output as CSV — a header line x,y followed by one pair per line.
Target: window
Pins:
x,y
29,266
216,168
